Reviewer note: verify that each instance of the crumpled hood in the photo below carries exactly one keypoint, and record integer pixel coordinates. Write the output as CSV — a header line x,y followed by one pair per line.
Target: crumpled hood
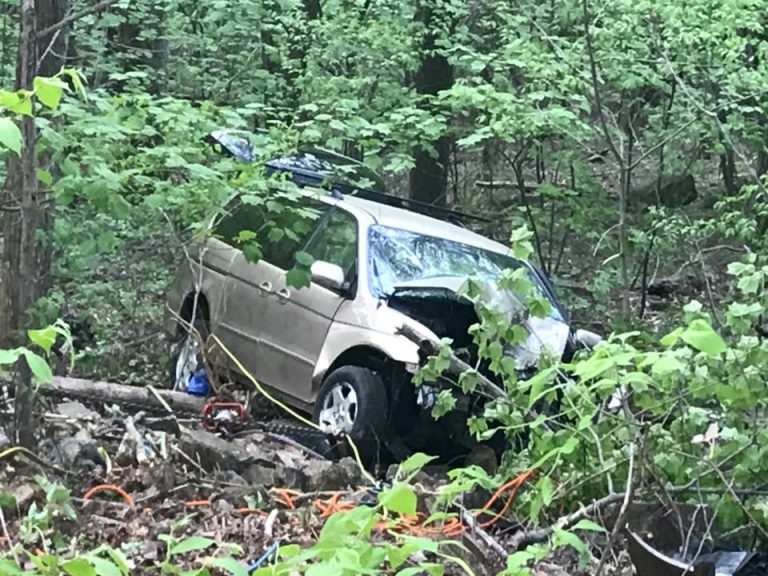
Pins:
x,y
548,332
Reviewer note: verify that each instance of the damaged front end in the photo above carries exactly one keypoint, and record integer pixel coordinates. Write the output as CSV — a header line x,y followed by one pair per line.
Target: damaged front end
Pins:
x,y
439,305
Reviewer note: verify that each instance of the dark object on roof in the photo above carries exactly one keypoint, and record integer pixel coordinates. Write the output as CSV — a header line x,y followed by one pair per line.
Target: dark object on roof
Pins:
x,y
326,169
308,167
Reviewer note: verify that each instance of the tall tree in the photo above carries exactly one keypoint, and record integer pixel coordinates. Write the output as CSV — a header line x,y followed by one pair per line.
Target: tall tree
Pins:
x,y
26,259
429,176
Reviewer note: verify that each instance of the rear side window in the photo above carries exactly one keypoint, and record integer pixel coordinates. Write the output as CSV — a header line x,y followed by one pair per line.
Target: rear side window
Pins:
x,y
269,230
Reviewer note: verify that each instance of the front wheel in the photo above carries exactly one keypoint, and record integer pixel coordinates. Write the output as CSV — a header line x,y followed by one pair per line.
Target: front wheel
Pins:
x,y
353,401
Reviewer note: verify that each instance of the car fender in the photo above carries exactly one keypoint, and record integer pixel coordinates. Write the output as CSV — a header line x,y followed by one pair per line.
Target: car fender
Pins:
x,y
193,278
343,336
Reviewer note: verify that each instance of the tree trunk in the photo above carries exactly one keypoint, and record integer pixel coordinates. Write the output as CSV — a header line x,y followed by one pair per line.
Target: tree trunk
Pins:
x,y
727,159
19,227
52,51
429,177
139,44
26,261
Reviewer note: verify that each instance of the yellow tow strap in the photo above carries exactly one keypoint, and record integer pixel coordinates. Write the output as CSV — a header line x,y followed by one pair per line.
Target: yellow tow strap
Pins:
x,y
287,408
32,456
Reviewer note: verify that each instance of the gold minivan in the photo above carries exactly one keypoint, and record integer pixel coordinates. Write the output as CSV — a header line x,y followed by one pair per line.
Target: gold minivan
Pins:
x,y
334,347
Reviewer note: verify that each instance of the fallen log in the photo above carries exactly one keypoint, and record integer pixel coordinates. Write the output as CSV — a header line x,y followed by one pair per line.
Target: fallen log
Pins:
x,y
108,392
456,366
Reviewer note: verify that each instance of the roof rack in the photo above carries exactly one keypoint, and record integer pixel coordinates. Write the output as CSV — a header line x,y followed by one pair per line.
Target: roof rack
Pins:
x,y
452,216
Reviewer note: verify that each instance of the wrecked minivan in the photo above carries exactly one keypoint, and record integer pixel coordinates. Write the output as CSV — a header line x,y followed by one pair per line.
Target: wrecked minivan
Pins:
x,y
336,348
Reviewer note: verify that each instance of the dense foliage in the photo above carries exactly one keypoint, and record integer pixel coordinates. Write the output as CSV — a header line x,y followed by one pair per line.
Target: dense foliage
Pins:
x,y
629,137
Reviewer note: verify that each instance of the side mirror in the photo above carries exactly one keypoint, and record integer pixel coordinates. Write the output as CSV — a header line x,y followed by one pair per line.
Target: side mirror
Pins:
x,y
586,338
327,275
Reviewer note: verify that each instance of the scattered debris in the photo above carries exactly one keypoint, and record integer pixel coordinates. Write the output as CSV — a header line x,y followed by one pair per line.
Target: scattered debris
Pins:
x,y
77,451
678,541
76,410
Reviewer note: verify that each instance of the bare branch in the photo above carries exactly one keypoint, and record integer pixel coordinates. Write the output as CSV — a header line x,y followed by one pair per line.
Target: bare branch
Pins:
x,y
596,89
45,32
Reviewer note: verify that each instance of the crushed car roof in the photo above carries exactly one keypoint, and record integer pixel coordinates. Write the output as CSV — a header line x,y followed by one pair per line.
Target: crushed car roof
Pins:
x,y
419,223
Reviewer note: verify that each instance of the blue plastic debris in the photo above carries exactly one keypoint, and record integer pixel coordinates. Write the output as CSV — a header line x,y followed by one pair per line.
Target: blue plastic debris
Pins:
x,y
198,383
263,558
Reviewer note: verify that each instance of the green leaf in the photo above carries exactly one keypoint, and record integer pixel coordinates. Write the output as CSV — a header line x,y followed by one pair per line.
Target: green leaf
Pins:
x,y
10,135
672,338
252,252
570,445
298,278
49,91
563,537
396,556
16,102
45,337
667,364
702,336
444,403
44,176
191,544
105,567
9,356
587,524
119,559
517,560
40,368
400,498
545,490
10,568
78,567
303,258
416,462
229,564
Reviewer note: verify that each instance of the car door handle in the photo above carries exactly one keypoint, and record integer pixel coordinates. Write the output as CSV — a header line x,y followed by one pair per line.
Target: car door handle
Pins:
x,y
283,294
266,286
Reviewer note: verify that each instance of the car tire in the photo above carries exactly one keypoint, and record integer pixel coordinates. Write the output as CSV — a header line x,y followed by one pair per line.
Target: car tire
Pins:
x,y
186,357
353,400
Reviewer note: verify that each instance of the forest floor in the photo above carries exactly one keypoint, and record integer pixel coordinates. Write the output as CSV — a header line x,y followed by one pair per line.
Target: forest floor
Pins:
x,y
134,483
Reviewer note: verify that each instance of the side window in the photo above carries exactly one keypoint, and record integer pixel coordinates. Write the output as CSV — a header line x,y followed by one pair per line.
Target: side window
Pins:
x,y
270,231
335,241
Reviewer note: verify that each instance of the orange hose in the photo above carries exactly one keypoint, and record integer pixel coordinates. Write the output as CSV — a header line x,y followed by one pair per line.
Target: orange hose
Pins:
x,y
512,486
332,505
285,495
109,487
196,503
247,510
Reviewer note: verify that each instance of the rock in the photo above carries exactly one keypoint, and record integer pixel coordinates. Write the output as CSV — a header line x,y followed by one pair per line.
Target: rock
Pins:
x,y
260,475
161,475
319,475
77,451
223,508
674,190
18,498
548,569
76,410
328,475
213,452
292,477
231,477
